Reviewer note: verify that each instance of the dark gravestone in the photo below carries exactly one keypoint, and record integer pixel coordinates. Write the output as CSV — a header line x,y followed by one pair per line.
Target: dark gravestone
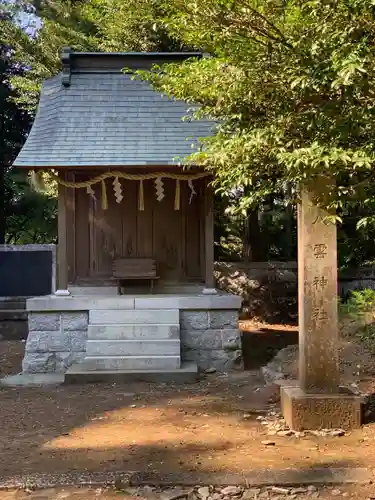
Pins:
x,y
25,273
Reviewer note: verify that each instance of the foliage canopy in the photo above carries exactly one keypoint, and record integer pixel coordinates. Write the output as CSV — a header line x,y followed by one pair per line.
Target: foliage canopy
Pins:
x,y
290,83
292,86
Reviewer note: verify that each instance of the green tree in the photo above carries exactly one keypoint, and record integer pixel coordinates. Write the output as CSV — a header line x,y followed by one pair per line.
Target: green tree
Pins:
x,y
134,25
291,84
97,25
14,122
25,215
37,41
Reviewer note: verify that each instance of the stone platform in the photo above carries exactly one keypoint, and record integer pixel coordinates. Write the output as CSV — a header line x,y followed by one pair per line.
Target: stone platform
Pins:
x,y
320,411
186,373
153,333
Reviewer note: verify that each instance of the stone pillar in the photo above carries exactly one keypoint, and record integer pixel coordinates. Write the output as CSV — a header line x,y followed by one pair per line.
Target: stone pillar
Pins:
x,y
317,299
317,400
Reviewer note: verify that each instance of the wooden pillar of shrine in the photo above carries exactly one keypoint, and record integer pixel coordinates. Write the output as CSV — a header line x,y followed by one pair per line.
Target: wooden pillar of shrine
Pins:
x,y
62,257
210,282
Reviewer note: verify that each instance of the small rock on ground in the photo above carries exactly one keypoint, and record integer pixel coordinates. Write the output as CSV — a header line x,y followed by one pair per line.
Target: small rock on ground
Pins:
x,y
204,492
231,491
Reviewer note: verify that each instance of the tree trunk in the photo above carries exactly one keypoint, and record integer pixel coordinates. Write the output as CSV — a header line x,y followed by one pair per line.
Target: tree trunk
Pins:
x,y
253,244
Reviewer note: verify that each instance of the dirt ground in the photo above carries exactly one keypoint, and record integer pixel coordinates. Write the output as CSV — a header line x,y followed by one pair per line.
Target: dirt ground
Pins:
x,y
193,429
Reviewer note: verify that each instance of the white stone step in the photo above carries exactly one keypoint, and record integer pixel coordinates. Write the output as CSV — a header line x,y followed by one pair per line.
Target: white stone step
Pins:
x,y
133,347
118,316
188,372
92,363
133,332
77,291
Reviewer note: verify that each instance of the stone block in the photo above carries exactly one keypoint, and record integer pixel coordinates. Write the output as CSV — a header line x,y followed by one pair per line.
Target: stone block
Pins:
x,y
201,339
110,363
131,332
231,339
13,315
200,357
73,321
78,340
39,362
65,359
194,320
139,317
223,319
48,321
219,359
225,361
194,301
84,303
47,341
133,347
304,411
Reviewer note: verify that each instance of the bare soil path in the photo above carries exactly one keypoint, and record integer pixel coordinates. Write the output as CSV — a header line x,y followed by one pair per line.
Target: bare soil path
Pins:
x,y
208,427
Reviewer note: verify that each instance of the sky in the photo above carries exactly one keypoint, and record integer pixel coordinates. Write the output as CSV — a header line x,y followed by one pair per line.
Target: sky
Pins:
x,y
28,21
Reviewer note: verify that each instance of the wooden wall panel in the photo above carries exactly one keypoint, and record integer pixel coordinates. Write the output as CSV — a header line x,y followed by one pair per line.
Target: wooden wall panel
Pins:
x,y
70,228
105,232
167,235
174,238
82,233
145,226
126,210
194,263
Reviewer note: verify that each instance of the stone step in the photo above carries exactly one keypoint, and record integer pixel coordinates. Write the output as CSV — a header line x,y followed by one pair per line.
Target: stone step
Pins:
x,y
132,317
133,347
13,315
8,304
112,363
187,373
77,291
133,332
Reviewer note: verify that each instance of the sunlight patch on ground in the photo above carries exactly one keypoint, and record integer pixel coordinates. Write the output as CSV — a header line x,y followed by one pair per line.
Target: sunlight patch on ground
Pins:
x,y
146,427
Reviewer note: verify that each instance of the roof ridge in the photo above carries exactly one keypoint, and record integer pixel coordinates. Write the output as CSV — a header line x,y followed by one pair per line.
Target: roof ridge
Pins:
x,y
115,62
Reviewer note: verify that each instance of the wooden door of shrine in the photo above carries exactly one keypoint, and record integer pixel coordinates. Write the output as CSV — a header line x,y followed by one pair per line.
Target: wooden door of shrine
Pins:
x,y
174,238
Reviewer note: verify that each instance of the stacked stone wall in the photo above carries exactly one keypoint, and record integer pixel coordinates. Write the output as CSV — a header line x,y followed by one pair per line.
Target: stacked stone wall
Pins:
x,y
211,339
56,340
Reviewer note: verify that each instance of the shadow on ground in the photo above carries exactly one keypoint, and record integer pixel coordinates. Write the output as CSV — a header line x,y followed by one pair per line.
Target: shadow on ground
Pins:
x,y
176,432
259,346
159,431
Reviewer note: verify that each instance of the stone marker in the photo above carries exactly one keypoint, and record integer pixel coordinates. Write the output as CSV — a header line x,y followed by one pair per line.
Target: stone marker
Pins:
x,y
316,401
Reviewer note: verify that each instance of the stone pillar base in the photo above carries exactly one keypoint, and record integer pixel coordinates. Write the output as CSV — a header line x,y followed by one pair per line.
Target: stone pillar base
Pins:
x,y
304,411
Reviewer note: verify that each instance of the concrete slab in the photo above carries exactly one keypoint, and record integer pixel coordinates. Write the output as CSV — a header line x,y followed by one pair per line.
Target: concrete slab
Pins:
x,y
150,363
32,379
194,301
113,316
101,300
152,347
93,290
52,303
187,373
130,332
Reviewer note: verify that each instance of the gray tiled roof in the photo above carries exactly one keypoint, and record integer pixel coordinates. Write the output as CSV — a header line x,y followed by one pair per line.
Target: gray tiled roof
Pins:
x,y
106,118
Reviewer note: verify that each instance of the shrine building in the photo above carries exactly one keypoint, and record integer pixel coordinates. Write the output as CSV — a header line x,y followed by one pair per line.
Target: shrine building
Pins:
x,y
135,296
